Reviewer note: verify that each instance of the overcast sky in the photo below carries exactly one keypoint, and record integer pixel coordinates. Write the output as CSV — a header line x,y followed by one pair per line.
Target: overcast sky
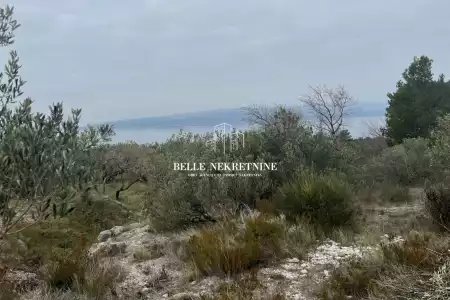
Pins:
x,y
156,57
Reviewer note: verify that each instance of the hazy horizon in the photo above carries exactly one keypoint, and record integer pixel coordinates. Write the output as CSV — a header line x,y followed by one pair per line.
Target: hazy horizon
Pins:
x,y
160,57
357,126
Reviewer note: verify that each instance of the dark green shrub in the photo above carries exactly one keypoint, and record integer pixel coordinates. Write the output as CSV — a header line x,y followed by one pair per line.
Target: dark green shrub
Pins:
x,y
324,200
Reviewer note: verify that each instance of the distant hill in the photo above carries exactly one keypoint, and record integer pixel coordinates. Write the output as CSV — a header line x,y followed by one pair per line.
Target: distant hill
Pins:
x,y
234,116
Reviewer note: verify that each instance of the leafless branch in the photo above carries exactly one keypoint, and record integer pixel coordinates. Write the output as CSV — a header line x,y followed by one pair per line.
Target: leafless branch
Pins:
x,y
279,118
374,130
257,115
330,107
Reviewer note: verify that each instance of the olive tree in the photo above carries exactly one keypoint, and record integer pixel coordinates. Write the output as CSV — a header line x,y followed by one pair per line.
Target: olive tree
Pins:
x,y
45,159
125,164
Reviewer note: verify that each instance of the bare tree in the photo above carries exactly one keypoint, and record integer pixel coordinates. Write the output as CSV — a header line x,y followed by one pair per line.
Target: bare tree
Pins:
x,y
280,118
330,107
259,115
375,130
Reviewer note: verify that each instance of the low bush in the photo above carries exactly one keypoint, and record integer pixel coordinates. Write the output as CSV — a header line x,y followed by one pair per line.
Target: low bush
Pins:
x,y
65,266
39,242
437,203
170,207
383,193
440,146
100,214
242,289
300,240
325,200
7,291
401,269
406,164
351,280
100,279
266,206
99,283
73,269
232,248
420,250
395,193
181,201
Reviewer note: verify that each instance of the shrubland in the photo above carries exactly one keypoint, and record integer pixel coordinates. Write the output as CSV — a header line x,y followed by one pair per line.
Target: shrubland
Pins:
x,y
61,185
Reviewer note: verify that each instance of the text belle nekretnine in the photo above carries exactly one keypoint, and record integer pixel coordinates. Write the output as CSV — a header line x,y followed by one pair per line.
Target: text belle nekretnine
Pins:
x,y
225,166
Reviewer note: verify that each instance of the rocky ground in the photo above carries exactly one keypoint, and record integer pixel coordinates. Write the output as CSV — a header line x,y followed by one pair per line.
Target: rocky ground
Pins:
x,y
162,274
156,266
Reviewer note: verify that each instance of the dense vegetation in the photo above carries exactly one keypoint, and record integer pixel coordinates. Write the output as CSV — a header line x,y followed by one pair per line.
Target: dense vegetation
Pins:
x,y
60,186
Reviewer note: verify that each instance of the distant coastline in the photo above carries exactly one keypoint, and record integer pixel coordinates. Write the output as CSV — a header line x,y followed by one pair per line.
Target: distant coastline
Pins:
x,y
233,116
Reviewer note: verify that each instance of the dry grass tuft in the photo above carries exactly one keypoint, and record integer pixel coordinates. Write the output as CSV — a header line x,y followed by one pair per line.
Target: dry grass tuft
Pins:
x,y
243,289
399,270
232,248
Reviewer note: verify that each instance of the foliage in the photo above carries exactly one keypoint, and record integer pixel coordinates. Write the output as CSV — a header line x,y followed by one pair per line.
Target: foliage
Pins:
x,y
44,159
417,103
74,270
351,280
51,167
171,206
399,270
406,164
394,193
437,203
100,279
344,135
440,147
242,289
48,237
301,238
421,250
177,200
364,149
291,142
125,163
100,214
281,138
384,193
67,266
229,249
323,199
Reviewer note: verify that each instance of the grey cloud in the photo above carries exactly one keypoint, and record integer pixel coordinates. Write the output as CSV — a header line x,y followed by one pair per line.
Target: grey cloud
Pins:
x,y
158,57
